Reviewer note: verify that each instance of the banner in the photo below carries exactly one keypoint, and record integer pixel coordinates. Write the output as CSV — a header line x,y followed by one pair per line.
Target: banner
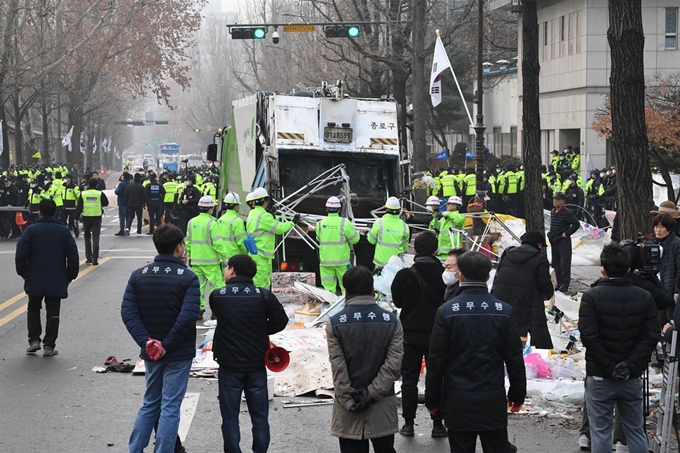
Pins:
x,y
36,155
82,143
441,156
94,145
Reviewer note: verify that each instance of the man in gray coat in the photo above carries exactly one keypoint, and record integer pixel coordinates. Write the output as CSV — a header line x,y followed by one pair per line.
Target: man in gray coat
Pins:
x,y
365,347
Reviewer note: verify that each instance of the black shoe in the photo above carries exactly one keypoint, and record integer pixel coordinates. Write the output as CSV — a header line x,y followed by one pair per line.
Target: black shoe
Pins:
x,y
149,232
407,430
512,448
95,263
200,315
76,232
120,233
88,261
438,429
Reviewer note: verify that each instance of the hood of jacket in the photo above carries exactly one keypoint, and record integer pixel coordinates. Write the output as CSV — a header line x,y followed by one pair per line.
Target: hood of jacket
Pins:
x,y
522,254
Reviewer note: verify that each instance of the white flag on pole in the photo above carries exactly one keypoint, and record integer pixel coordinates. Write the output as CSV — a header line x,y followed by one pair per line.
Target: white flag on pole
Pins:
x,y
440,63
115,150
82,143
2,141
94,145
104,145
66,141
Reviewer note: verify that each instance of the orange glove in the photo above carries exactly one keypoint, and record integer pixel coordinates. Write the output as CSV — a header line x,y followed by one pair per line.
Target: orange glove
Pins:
x,y
154,349
514,407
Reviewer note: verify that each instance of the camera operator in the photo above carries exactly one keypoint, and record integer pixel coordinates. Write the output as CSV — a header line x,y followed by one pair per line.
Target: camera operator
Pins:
x,y
643,277
664,224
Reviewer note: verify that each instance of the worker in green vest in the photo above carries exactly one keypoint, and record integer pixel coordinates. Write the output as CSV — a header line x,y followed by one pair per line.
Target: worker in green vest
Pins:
x,y
511,188
432,204
390,234
205,250
451,218
335,235
36,193
56,191
209,188
576,159
470,184
448,184
232,226
90,206
264,227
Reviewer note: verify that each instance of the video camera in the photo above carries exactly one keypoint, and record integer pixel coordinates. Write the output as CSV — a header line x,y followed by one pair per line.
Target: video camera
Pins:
x,y
650,255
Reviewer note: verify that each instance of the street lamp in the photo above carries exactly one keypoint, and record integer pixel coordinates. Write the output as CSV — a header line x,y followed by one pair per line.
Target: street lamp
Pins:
x,y
479,126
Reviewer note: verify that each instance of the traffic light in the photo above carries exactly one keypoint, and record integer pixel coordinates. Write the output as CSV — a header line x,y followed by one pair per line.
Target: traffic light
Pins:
x,y
249,33
342,31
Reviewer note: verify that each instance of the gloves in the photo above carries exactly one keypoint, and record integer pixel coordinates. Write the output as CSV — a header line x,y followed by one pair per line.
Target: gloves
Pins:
x,y
362,400
621,371
154,349
514,407
433,412
296,218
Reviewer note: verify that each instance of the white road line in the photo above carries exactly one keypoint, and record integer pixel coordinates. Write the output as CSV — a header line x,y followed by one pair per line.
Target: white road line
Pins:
x,y
188,409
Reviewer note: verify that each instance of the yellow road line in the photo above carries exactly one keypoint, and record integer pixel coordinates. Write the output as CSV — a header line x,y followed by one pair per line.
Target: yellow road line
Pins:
x,y
24,307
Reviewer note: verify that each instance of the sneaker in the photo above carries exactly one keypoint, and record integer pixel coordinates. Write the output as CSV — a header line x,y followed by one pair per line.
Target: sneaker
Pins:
x,y
620,448
33,347
407,430
49,351
438,430
139,234
584,442
127,231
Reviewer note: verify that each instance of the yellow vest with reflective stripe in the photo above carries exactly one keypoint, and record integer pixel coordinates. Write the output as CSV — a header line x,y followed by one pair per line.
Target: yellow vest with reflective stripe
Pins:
x,y
92,203
233,232
391,236
335,234
170,191
202,241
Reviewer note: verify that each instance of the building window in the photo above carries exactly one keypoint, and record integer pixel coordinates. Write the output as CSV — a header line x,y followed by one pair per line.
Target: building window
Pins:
x,y
562,30
545,33
671,28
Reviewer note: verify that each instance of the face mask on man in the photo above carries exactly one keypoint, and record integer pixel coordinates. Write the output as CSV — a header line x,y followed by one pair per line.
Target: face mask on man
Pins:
x,y
449,278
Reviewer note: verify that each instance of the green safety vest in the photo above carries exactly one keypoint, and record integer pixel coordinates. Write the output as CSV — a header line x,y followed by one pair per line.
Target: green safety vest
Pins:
x,y
448,184
335,235
209,189
263,227
71,194
233,233
92,203
470,184
35,196
57,191
450,219
391,236
203,244
178,190
170,191
510,182
589,187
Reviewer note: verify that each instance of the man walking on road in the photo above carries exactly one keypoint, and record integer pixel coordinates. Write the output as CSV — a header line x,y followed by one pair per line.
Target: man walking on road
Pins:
x,y
90,205
563,223
620,328
365,348
159,310
474,340
135,196
47,259
246,315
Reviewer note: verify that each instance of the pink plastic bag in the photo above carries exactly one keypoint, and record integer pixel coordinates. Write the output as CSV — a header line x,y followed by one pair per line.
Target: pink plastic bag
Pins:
x,y
543,370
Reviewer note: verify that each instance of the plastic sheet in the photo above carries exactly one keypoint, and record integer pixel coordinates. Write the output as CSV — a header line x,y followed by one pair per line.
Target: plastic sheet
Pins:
x,y
383,282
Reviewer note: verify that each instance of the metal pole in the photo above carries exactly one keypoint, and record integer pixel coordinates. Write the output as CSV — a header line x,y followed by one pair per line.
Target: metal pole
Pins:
x,y
479,127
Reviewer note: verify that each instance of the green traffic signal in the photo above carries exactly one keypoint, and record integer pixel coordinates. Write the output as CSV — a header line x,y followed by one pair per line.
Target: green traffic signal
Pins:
x,y
248,33
259,33
342,31
353,32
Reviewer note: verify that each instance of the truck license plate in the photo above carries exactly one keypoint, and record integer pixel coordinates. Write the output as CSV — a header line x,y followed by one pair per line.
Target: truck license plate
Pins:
x,y
337,134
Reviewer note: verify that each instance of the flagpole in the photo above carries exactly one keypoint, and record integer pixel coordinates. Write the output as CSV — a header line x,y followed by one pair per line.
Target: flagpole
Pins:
x,y
460,91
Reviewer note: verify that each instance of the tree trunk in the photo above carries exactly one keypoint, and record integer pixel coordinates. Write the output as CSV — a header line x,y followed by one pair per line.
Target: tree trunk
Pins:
x,y
4,158
45,126
419,11
18,139
629,131
531,119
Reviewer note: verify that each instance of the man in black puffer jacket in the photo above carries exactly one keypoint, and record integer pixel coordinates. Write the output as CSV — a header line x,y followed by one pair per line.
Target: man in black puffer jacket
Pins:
x,y
159,309
135,196
246,316
523,281
619,328
419,304
474,340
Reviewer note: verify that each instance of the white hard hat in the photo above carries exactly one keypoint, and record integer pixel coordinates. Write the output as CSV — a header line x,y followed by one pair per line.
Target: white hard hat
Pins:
x,y
232,198
393,203
249,197
432,201
206,201
259,193
333,203
455,200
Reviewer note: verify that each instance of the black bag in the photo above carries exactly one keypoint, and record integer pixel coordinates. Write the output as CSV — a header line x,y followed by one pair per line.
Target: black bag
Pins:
x,y
427,288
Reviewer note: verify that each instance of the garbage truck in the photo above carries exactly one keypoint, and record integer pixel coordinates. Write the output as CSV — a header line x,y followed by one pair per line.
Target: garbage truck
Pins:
x,y
309,145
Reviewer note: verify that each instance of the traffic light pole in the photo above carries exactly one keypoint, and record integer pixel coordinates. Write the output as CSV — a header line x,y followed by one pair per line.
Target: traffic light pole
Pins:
x,y
479,126
361,22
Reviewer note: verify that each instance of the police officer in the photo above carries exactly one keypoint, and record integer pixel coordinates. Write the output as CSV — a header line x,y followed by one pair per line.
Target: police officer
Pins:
x,y
56,191
263,227
470,181
575,197
452,218
188,202
36,193
594,192
155,194
335,234
71,193
90,206
205,250
390,234
169,199
232,226
448,183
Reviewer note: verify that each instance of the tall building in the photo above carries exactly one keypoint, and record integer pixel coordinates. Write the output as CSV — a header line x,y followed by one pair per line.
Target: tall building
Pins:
x,y
575,68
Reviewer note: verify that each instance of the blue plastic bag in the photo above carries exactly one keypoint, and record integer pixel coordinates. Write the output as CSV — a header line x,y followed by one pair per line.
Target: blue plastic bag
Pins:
x,y
249,242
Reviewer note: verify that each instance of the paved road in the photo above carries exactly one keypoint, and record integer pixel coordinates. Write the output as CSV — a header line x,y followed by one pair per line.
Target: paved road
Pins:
x,y
59,405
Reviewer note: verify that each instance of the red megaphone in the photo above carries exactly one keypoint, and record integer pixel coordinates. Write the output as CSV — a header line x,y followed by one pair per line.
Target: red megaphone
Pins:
x,y
276,359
